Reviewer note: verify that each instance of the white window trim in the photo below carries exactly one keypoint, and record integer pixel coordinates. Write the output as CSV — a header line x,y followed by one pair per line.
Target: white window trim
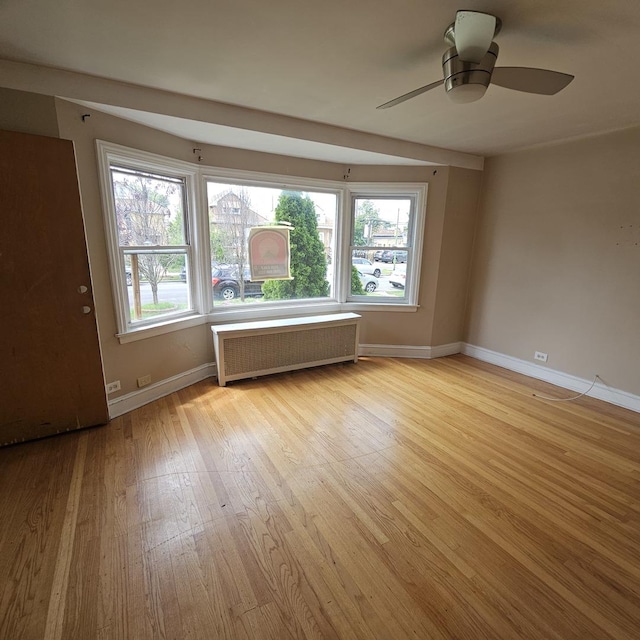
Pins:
x,y
282,308
196,177
112,154
417,191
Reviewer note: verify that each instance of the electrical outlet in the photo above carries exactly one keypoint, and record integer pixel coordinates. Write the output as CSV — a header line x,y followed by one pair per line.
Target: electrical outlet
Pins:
x,y
538,355
143,381
113,386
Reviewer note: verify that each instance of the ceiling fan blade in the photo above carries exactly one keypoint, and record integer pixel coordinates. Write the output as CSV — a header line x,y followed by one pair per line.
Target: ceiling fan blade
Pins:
x,y
529,80
473,33
411,94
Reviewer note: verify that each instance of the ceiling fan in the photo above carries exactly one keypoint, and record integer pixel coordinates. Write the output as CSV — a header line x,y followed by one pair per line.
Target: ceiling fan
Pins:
x,y
468,65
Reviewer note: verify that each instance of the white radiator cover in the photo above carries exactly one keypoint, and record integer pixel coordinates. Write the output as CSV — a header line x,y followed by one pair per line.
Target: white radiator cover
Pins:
x,y
251,349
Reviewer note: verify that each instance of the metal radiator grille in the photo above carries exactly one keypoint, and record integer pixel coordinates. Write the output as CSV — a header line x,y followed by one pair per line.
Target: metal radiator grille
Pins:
x,y
260,352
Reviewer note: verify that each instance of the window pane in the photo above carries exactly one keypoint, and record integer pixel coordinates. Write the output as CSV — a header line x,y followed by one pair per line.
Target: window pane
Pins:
x,y
397,279
381,222
157,284
381,247
234,209
375,278
149,208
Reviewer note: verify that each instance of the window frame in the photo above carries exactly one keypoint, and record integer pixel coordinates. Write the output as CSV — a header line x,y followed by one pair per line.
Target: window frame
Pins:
x,y
112,156
196,178
416,193
277,308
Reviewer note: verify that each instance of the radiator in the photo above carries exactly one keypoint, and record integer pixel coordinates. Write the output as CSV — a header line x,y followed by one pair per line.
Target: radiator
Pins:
x,y
251,349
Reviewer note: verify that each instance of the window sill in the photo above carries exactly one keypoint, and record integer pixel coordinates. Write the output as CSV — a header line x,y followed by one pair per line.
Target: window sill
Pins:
x,y
312,309
142,333
380,306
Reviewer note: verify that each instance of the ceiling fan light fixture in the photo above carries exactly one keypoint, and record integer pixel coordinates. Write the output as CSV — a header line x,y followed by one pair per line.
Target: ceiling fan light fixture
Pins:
x,y
465,93
473,33
467,81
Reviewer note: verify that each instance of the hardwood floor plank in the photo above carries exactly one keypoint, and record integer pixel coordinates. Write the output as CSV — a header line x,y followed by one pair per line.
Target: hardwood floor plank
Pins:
x,y
59,587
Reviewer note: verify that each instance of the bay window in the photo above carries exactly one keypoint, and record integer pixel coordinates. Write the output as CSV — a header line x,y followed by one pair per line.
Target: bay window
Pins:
x,y
179,243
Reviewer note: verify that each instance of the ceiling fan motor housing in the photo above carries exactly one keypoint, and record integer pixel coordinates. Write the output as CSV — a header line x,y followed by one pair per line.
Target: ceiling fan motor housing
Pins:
x,y
467,81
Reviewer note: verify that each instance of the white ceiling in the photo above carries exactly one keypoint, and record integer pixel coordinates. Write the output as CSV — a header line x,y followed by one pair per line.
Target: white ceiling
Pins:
x,y
333,62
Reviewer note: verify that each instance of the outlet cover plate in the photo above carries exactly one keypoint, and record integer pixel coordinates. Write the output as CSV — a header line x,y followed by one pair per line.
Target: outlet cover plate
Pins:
x,y
113,386
143,381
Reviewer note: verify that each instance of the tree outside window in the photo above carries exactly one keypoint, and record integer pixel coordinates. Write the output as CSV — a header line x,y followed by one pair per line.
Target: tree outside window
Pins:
x,y
150,227
308,259
231,216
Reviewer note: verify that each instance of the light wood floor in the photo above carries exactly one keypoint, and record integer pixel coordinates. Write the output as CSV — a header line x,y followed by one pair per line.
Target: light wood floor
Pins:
x,y
388,499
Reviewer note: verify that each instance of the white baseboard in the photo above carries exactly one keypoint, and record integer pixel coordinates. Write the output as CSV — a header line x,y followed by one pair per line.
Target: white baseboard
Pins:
x,y
136,399
405,351
560,379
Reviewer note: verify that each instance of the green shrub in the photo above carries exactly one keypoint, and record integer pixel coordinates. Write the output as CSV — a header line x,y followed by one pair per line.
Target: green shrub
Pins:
x,y
308,261
356,283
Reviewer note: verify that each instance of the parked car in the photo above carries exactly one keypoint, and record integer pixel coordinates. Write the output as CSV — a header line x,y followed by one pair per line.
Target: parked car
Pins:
x,y
366,266
128,276
183,274
369,282
378,255
394,256
398,278
226,283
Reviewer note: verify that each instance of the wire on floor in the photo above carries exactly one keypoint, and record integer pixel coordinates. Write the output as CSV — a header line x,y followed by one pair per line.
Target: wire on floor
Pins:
x,y
593,384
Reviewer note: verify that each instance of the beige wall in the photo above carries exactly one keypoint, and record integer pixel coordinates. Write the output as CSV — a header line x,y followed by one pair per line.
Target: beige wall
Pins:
x,y
456,245
28,113
557,258
449,226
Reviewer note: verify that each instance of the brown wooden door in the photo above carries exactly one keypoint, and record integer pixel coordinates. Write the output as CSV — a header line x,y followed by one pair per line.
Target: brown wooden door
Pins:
x,y
50,367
